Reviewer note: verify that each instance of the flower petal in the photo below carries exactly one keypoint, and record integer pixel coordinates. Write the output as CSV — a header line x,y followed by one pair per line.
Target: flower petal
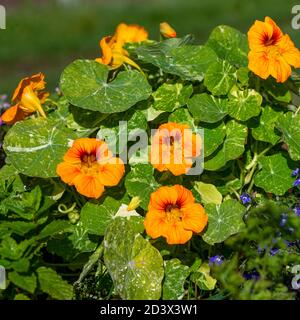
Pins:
x,y
162,197
176,234
89,186
13,114
111,173
194,217
155,223
288,51
84,146
68,172
259,63
184,196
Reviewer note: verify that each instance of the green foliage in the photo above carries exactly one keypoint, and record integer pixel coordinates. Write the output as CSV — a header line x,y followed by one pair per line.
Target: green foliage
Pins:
x,y
57,244
85,84
224,220
135,266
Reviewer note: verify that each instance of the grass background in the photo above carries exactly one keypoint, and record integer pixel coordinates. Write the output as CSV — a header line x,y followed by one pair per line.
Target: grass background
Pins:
x,y
47,35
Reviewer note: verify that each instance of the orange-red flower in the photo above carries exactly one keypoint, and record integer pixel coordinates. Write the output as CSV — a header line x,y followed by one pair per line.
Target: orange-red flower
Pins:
x,y
90,166
173,214
173,148
27,99
271,52
113,52
167,31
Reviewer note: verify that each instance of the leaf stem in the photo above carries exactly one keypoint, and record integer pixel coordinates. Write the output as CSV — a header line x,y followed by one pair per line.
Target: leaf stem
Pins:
x,y
297,111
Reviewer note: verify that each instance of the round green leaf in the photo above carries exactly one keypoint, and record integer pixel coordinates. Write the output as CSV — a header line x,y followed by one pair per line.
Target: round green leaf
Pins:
x,y
141,183
275,174
214,135
233,146
85,84
183,116
169,97
245,104
174,56
119,125
278,91
208,192
175,276
224,220
36,146
207,108
96,217
220,77
203,279
264,129
191,62
289,124
135,266
229,44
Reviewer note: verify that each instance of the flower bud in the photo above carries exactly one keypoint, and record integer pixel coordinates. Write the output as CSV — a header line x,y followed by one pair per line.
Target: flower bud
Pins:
x,y
167,31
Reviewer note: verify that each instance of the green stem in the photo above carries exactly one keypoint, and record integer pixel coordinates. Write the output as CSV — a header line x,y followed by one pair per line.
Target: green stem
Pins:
x,y
250,185
235,192
250,174
62,208
266,150
297,111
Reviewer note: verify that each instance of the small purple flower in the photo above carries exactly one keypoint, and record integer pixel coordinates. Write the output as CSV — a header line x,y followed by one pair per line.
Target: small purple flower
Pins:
x,y
296,183
289,243
295,173
297,210
245,198
252,275
216,260
3,97
274,251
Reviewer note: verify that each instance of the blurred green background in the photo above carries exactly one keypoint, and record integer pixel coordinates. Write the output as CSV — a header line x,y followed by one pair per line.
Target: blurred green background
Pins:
x,y
47,35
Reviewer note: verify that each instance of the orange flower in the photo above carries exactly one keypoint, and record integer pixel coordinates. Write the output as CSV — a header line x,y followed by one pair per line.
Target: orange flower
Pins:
x,y
113,52
90,166
173,148
126,33
173,214
167,31
27,99
271,52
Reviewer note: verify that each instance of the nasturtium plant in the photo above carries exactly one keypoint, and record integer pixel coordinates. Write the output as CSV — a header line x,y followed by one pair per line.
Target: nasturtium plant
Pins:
x,y
89,209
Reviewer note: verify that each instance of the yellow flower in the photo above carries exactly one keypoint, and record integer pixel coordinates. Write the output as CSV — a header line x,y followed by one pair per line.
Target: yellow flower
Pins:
x,y
113,52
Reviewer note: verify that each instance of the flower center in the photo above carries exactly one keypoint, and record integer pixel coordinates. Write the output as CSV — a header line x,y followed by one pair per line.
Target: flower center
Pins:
x,y
89,163
271,41
173,213
172,138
